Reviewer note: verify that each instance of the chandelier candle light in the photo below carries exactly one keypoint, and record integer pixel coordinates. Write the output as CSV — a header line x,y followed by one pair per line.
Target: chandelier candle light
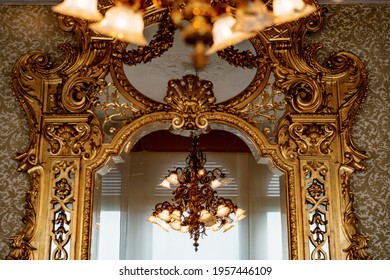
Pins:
x,y
196,205
215,23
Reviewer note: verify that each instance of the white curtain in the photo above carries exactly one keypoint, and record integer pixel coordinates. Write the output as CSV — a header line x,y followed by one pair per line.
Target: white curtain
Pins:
x,y
121,231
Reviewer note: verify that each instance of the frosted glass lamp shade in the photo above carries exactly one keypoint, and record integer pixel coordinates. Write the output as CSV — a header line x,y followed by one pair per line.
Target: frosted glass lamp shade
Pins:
x,y
253,17
85,9
222,211
176,215
290,10
227,226
164,215
184,229
216,183
123,23
165,184
224,36
152,219
173,179
216,227
175,225
164,226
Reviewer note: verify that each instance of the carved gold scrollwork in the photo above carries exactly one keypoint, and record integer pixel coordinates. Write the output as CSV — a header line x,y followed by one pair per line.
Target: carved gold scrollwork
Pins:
x,y
189,97
295,111
22,249
358,242
305,138
287,145
313,138
266,110
79,94
305,93
73,139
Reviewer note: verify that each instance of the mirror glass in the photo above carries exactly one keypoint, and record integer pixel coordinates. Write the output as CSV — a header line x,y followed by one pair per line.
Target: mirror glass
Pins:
x,y
175,63
128,190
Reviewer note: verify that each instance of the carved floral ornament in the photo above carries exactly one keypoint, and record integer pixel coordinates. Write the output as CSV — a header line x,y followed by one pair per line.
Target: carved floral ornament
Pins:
x,y
295,111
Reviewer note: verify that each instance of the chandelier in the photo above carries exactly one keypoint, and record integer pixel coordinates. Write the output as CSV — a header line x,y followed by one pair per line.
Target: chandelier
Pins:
x,y
209,26
196,206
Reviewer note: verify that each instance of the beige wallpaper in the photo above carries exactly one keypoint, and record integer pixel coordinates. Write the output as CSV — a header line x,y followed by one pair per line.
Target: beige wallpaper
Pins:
x,y
365,31
362,29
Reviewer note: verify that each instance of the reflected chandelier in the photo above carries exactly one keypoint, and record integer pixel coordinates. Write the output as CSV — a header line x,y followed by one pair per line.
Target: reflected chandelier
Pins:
x,y
196,206
219,23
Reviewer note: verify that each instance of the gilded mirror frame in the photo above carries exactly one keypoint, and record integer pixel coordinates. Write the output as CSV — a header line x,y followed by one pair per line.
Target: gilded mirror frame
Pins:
x,y
312,140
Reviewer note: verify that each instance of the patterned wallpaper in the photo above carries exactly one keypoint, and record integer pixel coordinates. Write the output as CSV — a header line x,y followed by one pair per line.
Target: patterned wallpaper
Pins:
x,y
365,31
22,29
361,29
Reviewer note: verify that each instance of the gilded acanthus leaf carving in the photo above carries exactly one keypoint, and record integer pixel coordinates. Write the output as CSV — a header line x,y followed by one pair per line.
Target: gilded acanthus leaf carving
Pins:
x,y
112,109
358,242
294,111
266,110
305,93
22,249
313,138
189,97
74,139
287,145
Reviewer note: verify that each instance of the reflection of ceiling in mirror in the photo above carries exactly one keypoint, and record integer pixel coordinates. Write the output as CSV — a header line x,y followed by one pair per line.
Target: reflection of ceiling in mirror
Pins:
x,y
152,78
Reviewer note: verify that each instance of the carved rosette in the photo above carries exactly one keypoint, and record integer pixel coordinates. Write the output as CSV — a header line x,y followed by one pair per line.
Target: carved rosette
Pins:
x,y
317,201
189,97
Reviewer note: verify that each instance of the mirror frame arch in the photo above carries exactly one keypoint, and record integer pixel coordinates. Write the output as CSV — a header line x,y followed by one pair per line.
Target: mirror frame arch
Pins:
x,y
261,150
313,145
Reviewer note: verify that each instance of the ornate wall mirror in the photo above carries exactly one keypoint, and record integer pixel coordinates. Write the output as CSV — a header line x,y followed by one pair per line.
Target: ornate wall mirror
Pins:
x,y
128,187
88,114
